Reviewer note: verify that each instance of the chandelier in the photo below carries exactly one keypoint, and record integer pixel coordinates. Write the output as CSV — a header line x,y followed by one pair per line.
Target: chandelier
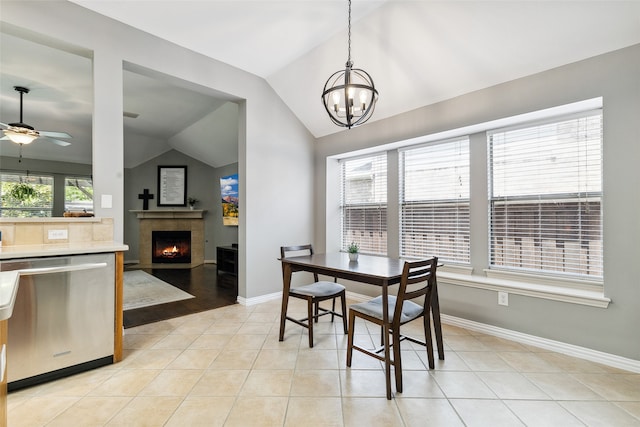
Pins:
x,y
349,95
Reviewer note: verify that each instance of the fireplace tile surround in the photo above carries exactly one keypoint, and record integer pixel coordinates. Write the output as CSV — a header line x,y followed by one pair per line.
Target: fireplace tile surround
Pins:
x,y
170,220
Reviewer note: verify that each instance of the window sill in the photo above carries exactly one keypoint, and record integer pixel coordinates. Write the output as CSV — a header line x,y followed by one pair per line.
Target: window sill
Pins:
x,y
586,294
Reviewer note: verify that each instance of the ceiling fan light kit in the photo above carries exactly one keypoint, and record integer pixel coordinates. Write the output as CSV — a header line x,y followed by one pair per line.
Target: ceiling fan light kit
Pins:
x,y
340,90
22,133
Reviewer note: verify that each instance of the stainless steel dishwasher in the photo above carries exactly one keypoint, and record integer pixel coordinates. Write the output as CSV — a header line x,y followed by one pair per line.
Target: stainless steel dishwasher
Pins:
x,y
63,318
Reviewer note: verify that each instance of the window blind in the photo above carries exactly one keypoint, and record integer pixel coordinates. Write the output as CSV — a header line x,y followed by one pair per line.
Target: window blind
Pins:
x,y
364,203
434,201
545,193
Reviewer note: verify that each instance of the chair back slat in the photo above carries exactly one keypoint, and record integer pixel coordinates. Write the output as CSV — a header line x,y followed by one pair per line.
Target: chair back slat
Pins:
x,y
301,250
284,250
422,273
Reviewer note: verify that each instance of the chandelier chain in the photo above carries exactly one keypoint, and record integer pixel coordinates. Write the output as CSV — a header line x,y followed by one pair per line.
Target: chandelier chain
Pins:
x,y
349,36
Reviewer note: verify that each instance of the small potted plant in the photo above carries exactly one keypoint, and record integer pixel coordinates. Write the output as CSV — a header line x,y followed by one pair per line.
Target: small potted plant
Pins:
x,y
353,250
192,202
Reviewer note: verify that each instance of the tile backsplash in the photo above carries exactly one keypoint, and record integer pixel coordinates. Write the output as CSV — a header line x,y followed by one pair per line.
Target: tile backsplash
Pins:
x,y
42,231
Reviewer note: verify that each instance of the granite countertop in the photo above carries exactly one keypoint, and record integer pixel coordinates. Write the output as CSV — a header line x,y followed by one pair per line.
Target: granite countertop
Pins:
x,y
31,251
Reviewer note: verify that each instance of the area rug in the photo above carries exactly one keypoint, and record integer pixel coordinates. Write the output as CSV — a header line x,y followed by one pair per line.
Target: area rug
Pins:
x,y
143,290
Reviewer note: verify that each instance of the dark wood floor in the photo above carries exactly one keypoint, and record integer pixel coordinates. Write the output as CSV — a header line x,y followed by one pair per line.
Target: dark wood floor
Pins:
x,y
209,289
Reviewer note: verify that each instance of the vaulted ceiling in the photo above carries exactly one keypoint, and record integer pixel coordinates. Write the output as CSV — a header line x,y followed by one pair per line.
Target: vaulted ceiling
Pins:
x,y
418,53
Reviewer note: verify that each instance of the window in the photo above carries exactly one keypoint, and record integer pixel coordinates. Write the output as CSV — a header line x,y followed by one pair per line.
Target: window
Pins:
x,y
364,203
78,194
24,196
434,201
545,195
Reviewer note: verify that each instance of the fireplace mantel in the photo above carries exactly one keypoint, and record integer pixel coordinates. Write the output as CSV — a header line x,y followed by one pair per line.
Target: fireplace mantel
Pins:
x,y
169,213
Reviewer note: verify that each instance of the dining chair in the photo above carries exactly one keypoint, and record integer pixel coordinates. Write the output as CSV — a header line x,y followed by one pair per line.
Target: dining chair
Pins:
x,y
313,293
418,280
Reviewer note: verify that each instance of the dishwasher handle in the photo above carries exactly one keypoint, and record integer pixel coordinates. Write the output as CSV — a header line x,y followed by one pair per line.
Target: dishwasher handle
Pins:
x,y
61,269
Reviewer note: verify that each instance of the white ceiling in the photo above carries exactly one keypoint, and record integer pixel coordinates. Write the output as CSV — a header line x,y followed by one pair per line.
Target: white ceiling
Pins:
x,y
417,52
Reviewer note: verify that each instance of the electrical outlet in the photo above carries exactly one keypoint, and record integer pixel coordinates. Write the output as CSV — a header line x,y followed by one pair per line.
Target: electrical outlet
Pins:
x,y
58,234
503,298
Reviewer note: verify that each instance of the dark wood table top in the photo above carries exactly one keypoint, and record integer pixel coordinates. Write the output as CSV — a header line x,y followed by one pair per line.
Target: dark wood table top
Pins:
x,y
375,270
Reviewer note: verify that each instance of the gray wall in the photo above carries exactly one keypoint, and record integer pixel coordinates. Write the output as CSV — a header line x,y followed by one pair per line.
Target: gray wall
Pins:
x,y
615,77
203,183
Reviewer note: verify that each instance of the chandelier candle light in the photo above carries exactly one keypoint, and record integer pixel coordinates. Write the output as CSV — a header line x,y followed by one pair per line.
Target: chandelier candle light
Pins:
x,y
341,89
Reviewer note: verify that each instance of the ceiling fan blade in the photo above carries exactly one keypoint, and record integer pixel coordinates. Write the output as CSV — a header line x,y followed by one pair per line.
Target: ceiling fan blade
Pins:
x,y
55,134
4,125
56,141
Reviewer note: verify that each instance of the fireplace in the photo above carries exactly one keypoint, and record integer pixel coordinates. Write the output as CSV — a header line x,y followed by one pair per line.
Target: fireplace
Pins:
x,y
186,220
171,247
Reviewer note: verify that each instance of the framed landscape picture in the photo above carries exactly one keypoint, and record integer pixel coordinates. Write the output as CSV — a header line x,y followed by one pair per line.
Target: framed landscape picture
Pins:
x,y
229,196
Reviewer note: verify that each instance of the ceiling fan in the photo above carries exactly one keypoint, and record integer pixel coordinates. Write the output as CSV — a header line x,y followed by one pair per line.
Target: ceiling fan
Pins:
x,y
21,133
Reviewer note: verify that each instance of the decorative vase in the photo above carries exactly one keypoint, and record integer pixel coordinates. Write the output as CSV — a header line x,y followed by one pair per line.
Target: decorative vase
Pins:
x,y
191,207
353,256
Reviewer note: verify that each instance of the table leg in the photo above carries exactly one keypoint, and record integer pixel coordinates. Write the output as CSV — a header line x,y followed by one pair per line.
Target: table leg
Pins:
x,y
286,285
437,326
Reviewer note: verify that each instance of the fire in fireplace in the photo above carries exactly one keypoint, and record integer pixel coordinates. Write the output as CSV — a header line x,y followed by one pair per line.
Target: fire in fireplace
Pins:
x,y
171,246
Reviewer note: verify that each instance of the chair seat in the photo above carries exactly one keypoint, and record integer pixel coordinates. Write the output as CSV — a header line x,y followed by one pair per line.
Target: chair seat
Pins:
x,y
373,308
318,289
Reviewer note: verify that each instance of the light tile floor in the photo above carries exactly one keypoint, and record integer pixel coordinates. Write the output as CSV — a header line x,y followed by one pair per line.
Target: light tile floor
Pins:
x,y
226,367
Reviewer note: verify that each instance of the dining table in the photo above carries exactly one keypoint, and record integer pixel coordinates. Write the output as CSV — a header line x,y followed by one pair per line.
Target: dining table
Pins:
x,y
381,271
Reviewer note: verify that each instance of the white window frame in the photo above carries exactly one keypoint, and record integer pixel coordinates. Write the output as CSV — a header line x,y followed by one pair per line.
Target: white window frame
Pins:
x,y
477,275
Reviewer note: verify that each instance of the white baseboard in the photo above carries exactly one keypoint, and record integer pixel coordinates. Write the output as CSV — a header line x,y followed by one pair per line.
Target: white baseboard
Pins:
x,y
257,300
557,346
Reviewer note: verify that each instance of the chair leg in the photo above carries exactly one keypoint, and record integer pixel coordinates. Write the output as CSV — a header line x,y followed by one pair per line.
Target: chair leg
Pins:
x,y
283,316
343,299
397,359
387,360
352,320
437,325
333,309
317,311
427,338
310,308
